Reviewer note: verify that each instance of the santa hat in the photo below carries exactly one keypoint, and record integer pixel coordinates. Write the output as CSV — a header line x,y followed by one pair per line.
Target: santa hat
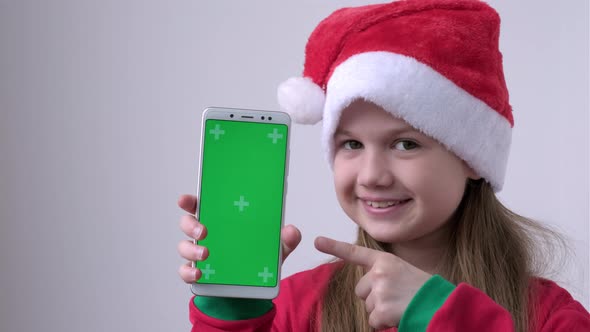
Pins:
x,y
433,63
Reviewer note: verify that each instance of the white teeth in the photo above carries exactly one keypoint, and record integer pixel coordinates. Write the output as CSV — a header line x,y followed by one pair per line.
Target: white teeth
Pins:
x,y
382,205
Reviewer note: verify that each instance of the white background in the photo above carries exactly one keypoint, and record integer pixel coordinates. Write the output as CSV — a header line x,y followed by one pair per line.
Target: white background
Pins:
x,y
100,107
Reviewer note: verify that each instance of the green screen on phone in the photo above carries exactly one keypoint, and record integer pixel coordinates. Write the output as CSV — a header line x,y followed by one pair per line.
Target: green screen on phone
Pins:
x,y
241,201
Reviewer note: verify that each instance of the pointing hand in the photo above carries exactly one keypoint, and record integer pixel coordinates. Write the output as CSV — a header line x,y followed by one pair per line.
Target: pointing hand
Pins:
x,y
388,285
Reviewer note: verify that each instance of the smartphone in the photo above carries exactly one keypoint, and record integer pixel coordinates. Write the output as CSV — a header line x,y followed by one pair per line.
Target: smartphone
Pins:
x,y
242,186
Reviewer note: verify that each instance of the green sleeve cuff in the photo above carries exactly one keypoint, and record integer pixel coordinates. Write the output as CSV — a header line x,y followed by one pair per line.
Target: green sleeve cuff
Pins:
x,y
429,298
226,308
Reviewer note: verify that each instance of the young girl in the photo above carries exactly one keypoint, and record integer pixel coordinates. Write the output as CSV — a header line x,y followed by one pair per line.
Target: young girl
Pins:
x,y
417,127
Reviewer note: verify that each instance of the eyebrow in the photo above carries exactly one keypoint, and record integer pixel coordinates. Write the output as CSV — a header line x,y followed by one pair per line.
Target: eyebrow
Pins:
x,y
392,131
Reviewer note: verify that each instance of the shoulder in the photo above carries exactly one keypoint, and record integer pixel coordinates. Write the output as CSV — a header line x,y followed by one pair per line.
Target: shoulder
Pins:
x,y
301,296
320,273
550,300
549,294
307,285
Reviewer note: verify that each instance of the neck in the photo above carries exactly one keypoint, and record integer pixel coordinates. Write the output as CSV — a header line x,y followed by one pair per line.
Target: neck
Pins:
x,y
424,253
426,260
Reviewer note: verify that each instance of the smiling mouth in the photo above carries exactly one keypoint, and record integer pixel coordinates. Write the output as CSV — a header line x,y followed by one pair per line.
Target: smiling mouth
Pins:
x,y
385,204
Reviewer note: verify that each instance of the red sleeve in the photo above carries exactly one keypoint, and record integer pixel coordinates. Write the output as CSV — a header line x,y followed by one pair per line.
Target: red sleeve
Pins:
x,y
469,309
204,323
297,308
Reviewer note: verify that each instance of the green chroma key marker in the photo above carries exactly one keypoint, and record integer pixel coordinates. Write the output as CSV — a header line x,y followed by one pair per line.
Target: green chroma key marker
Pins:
x,y
241,202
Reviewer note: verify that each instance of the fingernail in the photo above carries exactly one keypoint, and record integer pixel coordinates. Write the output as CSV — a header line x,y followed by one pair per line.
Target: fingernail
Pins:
x,y
197,232
199,252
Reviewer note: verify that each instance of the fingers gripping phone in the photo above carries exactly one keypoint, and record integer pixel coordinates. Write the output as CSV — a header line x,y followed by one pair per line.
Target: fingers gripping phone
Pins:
x,y
241,189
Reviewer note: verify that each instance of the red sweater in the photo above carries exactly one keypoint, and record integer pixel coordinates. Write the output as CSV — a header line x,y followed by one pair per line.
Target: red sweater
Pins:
x,y
462,308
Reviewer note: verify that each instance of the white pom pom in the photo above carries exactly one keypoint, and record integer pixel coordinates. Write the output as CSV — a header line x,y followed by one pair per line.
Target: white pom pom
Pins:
x,y
302,99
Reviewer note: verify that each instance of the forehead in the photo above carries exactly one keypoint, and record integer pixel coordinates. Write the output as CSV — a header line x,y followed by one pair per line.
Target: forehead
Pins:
x,y
362,114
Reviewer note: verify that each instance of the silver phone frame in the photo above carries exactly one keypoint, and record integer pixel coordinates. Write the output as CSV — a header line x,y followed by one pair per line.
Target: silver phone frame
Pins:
x,y
243,115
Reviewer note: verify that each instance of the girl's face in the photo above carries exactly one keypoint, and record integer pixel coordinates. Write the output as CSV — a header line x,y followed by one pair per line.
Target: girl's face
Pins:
x,y
397,184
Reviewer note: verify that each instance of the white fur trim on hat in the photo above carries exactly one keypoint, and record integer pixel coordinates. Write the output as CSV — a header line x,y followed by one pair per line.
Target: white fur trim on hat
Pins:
x,y
426,100
302,99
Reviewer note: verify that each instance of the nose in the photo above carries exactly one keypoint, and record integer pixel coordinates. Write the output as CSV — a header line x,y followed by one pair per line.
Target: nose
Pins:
x,y
375,170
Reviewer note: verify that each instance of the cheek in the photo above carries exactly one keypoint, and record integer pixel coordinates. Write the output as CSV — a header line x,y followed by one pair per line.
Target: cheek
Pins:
x,y
441,186
344,178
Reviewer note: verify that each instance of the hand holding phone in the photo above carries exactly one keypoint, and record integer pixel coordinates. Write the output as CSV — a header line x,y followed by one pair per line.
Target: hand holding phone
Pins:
x,y
290,239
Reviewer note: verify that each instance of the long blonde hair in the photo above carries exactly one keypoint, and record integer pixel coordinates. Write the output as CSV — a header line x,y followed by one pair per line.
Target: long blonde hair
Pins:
x,y
490,248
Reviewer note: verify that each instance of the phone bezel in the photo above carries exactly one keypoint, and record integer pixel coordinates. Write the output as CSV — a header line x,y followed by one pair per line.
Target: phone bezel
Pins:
x,y
243,115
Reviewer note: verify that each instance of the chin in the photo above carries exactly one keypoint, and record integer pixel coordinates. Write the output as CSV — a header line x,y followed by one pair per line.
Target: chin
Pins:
x,y
384,234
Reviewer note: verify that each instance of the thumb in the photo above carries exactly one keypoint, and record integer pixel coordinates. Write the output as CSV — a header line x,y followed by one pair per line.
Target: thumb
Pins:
x,y
290,238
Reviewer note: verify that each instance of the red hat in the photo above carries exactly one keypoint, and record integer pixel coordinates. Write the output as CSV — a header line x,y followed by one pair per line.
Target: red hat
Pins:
x,y
433,63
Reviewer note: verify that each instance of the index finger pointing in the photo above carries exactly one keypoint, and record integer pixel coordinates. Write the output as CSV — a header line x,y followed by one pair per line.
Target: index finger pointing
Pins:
x,y
346,251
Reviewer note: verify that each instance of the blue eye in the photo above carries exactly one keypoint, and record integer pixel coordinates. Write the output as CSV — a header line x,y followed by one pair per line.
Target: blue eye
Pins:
x,y
352,145
406,145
